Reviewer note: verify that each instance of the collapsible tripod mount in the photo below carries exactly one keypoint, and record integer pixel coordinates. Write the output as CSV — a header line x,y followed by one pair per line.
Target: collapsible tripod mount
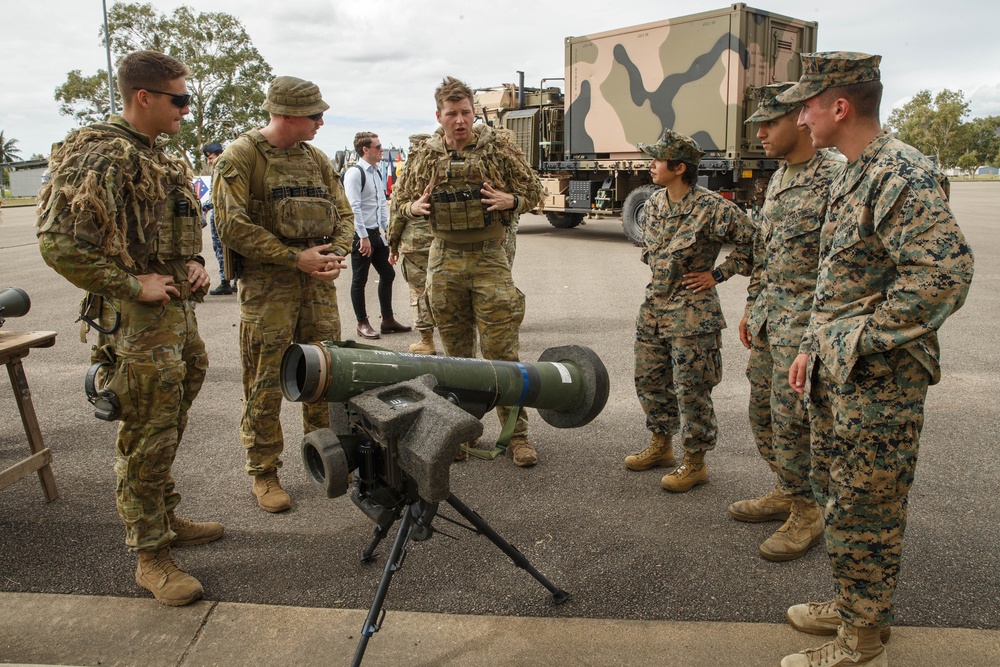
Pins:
x,y
415,525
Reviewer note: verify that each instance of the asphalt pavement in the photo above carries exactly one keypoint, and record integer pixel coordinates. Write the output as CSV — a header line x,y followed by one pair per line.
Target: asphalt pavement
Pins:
x,y
654,578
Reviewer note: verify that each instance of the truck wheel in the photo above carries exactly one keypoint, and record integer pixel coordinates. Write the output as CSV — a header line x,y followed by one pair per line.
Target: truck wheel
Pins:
x,y
634,212
564,220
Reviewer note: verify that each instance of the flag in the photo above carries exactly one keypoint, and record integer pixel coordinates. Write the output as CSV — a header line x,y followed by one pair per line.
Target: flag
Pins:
x,y
388,179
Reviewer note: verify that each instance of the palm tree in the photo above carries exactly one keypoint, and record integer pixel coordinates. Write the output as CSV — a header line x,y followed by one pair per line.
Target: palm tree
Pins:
x,y
8,149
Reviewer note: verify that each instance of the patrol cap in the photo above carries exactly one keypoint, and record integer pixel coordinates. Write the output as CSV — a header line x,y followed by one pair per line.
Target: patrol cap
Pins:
x,y
769,108
830,69
673,146
209,149
291,96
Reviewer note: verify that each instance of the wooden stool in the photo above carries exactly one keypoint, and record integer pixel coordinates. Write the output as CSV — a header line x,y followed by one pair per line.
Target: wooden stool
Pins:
x,y
13,348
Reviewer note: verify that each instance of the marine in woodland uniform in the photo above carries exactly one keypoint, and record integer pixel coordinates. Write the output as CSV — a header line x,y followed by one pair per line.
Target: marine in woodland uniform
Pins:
x,y
281,208
893,266
782,285
120,220
471,182
678,358
413,239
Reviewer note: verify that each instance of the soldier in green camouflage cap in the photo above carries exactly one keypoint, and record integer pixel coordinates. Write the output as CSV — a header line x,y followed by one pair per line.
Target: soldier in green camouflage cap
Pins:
x,y
280,206
678,359
119,220
893,266
782,285
413,239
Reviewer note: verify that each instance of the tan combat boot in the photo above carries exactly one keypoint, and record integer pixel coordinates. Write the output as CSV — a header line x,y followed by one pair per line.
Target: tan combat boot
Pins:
x,y
772,506
690,473
821,618
426,344
170,585
270,496
522,451
803,529
190,532
853,647
659,453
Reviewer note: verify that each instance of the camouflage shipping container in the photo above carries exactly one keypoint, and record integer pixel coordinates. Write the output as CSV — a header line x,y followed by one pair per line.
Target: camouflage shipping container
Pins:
x,y
695,74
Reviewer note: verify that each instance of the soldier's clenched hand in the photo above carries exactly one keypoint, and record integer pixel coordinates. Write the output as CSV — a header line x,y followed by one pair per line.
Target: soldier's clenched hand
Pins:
x,y
319,265
745,336
197,275
422,206
797,373
157,288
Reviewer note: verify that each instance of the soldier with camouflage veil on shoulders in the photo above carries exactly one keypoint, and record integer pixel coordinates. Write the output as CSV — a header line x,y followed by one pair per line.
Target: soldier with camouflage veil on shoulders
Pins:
x,y
120,220
470,182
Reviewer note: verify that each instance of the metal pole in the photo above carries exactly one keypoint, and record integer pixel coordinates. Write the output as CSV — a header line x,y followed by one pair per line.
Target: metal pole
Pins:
x,y
107,48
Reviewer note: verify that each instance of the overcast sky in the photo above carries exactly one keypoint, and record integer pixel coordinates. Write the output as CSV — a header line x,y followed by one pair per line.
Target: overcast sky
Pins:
x,y
378,61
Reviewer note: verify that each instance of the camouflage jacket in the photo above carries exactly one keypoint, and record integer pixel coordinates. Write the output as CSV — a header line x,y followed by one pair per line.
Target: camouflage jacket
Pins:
x,y
894,263
686,239
235,170
786,250
506,167
408,235
113,208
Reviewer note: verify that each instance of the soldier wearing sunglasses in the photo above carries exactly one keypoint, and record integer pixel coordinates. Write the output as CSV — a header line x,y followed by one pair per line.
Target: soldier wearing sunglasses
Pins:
x,y
119,220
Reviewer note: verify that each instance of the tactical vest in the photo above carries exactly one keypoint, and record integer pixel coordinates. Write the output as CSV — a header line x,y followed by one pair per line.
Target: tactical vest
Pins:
x,y
288,197
456,199
178,231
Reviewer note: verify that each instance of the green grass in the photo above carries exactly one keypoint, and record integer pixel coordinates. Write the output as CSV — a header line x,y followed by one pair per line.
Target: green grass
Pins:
x,y
11,202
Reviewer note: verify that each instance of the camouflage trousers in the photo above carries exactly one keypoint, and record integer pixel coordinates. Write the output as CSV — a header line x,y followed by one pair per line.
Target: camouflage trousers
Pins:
x,y
414,268
160,370
674,377
473,290
510,241
278,306
778,417
865,438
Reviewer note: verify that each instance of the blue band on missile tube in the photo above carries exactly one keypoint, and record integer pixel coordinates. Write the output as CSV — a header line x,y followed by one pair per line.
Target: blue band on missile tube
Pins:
x,y
525,384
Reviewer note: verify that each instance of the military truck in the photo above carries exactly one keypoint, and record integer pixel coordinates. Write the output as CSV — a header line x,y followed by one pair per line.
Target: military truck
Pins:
x,y
695,74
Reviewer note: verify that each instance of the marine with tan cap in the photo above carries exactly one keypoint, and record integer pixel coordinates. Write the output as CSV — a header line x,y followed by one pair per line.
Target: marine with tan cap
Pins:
x,y
281,207
893,266
678,357
779,299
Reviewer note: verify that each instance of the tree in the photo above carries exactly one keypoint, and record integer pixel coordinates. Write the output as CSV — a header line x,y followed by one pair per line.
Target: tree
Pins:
x,y
9,152
227,80
968,162
932,126
982,137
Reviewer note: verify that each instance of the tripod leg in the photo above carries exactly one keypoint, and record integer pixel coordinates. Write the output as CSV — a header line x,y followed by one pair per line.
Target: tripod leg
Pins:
x,y
392,563
380,533
558,595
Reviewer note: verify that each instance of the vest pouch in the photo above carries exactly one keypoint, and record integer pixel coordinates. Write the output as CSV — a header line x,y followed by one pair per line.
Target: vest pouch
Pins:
x,y
303,217
456,210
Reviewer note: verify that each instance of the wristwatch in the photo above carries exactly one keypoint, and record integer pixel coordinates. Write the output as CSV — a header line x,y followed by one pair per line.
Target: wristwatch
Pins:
x,y
717,276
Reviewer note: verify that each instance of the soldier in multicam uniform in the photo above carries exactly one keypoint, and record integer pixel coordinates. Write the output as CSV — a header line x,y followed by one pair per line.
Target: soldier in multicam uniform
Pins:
x,y
471,182
893,266
413,239
782,285
119,219
678,331
280,206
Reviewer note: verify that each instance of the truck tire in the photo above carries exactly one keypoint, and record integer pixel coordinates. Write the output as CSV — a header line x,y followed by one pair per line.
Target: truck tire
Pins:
x,y
634,212
563,220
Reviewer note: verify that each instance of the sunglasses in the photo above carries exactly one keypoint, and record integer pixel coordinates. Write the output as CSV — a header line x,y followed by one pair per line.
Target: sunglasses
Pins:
x,y
178,100
315,117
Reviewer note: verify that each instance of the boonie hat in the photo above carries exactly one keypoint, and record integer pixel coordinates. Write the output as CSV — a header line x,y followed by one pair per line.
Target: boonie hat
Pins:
x,y
769,108
829,69
673,146
209,149
291,96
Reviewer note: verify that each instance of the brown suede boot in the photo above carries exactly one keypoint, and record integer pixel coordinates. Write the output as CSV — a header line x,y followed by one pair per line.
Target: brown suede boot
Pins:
x,y
821,618
853,647
270,496
691,472
659,453
803,529
170,585
772,506
190,532
426,344
522,451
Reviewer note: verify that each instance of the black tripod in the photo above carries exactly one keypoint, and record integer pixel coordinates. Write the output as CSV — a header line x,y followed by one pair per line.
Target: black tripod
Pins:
x,y
417,517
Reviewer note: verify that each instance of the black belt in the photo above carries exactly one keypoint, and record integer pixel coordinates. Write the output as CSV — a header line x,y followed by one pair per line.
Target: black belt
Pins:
x,y
471,247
